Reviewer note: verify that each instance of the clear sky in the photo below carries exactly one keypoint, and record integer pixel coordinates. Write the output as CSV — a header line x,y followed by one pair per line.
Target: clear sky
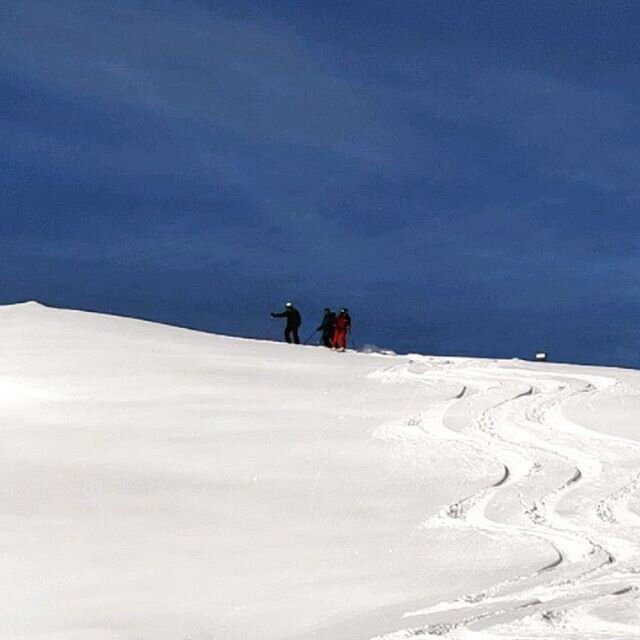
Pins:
x,y
464,176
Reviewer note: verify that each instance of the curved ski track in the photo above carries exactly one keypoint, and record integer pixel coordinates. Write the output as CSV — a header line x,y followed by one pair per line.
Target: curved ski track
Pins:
x,y
563,484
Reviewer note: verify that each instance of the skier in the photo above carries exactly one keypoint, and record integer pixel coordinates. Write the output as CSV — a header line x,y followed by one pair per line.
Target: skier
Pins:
x,y
342,328
294,321
327,326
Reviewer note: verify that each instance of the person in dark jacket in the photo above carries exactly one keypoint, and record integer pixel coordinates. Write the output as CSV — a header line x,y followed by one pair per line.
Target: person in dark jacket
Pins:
x,y
327,326
342,328
294,320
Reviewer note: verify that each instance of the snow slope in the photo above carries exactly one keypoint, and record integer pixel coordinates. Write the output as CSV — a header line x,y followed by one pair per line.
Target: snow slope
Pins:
x,y
166,484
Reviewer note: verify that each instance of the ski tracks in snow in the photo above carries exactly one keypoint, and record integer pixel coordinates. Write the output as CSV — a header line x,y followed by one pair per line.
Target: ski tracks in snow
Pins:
x,y
563,485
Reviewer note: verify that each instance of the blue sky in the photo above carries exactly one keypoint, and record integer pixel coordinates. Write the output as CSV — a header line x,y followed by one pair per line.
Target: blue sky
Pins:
x,y
465,176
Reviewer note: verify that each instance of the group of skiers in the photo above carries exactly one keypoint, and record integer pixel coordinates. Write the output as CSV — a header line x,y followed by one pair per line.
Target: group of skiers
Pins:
x,y
334,328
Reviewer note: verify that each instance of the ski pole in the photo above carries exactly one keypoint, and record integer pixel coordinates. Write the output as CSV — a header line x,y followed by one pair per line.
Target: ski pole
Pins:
x,y
311,336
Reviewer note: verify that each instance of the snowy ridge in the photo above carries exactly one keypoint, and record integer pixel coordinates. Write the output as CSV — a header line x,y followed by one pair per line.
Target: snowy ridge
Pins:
x,y
162,483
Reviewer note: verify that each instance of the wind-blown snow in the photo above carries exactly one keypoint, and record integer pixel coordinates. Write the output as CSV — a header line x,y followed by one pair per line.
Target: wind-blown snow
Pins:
x,y
166,484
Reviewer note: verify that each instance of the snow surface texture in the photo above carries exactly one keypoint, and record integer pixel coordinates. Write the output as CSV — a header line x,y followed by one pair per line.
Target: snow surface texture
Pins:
x,y
158,483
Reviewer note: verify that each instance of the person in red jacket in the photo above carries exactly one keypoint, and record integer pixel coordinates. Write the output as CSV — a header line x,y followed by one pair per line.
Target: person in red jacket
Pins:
x,y
342,327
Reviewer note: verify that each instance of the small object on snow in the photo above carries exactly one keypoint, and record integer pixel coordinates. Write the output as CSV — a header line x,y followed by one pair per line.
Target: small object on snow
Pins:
x,y
541,356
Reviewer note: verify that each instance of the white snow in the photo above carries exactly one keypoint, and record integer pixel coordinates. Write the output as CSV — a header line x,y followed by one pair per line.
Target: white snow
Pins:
x,y
158,483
